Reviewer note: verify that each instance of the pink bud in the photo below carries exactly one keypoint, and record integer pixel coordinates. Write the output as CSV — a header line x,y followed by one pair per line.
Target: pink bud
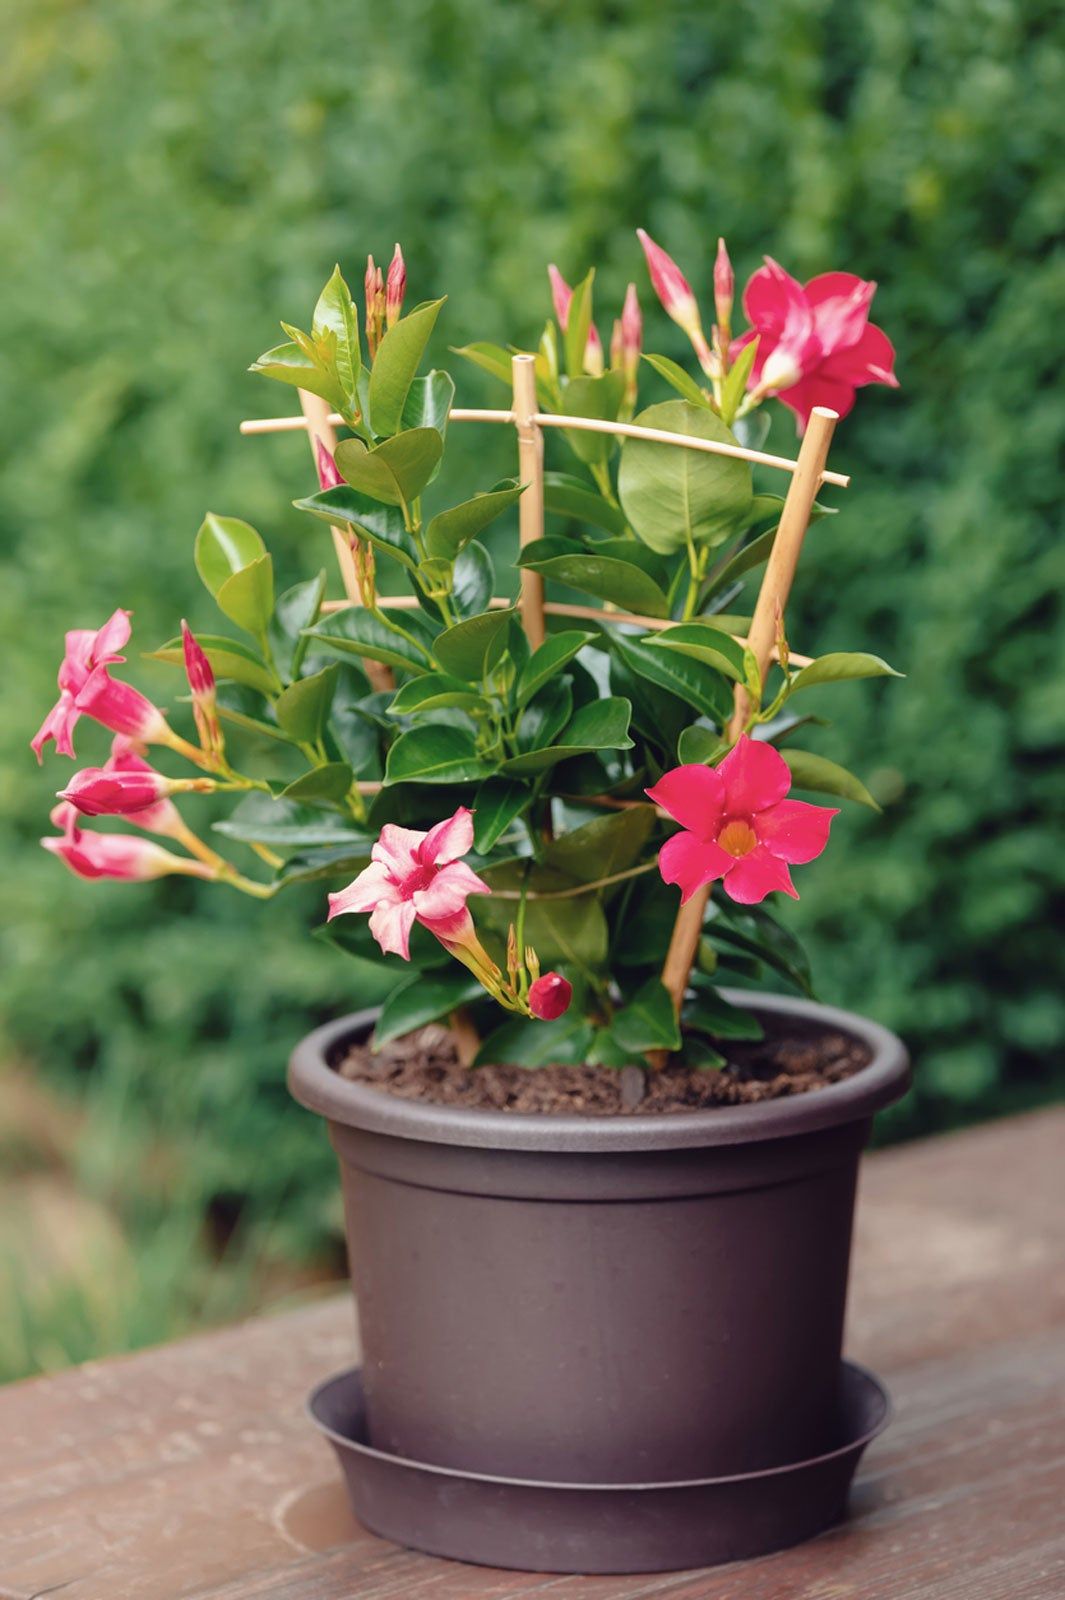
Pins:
x,y
369,285
631,336
163,817
550,996
121,856
328,476
561,294
396,288
122,708
197,667
675,293
593,353
97,792
724,289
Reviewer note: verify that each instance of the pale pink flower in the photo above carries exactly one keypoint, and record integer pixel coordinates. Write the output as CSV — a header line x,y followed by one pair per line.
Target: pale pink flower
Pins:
x,y
816,345
417,877
737,825
115,855
86,649
675,293
122,708
550,996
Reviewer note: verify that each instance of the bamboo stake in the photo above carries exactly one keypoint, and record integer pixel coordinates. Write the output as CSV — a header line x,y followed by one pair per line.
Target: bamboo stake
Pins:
x,y
256,425
319,422
772,599
531,504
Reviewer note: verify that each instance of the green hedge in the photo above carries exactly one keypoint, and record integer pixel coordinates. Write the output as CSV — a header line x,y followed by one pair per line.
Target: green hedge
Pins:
x,y
180,175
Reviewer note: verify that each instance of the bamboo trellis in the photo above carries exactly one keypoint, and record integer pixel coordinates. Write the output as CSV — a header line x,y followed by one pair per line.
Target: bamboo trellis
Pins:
x,y
808,473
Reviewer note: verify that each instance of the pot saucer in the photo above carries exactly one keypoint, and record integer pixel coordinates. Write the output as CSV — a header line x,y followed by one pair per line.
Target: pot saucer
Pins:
x,y
535,1526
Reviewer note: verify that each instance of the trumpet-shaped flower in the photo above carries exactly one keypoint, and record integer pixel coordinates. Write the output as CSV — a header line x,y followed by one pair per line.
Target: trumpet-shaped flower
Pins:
x,y
122,708
162,817
86,649
816,345
417,877
115,855
737,825
328,476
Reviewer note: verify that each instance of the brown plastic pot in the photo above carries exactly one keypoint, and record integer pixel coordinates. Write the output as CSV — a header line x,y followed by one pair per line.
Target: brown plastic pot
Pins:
x,y
602,1300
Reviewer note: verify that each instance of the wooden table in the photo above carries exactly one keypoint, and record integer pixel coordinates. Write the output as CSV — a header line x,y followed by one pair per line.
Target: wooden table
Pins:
x,y
190,1470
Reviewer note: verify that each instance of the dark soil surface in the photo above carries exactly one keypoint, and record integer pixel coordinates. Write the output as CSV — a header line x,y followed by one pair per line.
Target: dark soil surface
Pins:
x,y
424,1066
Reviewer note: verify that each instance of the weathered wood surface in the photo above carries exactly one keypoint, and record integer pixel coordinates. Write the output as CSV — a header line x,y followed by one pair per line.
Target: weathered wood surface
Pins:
x,y
190,1471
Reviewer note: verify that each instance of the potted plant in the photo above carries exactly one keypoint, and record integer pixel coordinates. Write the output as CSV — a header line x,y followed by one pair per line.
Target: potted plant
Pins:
x,y
598,1185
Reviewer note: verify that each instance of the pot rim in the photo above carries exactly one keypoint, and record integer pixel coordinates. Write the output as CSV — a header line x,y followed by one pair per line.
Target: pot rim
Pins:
x,y
315,1084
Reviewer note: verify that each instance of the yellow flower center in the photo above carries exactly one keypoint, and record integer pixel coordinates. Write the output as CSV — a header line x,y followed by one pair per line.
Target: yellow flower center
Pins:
x,y
737,837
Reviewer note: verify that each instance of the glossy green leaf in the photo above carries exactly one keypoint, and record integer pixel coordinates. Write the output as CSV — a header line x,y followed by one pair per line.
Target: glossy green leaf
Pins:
x,y
648,1022
463,649
672,495
246,709
450,531
523,1043
699,746
571,929
546,714
436,691
489,357
841,666
709,1012
603,725
287,363
826,777
678,379
354,632
397,360
701,641
599,398
497,804
383,525
693,681
473,581
698,1055
435,754
302,709
229,658
258,819
336,311
247,598
394,472
578,322
623,583
548,660
603,846
429,401
421,999
735,385
329,782
567,496
225,545
298,608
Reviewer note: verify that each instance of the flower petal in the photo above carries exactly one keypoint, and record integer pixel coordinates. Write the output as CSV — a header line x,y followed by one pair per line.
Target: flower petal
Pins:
x,y
693,795
794,830
870,359
755,776
391,925
397,849
817,390
841,308
448,839
755,875
692,863
364,893
448,891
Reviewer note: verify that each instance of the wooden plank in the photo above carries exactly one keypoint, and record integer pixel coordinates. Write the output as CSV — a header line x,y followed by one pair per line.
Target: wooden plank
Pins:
x,y
190,1473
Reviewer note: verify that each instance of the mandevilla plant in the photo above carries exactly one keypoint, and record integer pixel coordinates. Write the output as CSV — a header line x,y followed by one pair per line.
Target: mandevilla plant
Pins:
x,y
424,750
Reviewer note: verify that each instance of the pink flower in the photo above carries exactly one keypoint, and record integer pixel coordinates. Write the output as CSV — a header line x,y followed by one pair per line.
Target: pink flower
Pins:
x,y
163,817
675,293
122,708
86,649
550,996
816,345
561,295
737,825
328,476
724,289
115,792
115,855
413,877
201,678
395,287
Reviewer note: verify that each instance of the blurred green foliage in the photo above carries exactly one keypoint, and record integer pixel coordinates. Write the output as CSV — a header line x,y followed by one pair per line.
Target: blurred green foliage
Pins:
x,y
179,175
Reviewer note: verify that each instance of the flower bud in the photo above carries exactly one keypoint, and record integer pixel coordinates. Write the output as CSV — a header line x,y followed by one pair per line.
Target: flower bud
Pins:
x,y
631,326
328,476
593,353
724,291
396,288
116,792
121,856
549,996
561,295
675,293
199,672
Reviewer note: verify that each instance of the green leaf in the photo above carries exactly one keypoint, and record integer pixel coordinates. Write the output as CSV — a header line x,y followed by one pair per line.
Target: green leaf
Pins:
x,y
567,496
521,1043
450,531
247,598
578,322
435,754
545,716
303,708
696,1053
623,583
735,385
673,496
382,525
571,929
602,725
436,691
421,999
394,472
397,360
329,782
703,642
709,1012
298,608
354,632
694,682
246,709
429,401
463,649
225,545
648,1022
331,862
288,364
677,377
603,846
548,660
756,932
757,551
336,311
258,819
497,804
473,580
825,777
841,666
600,398
699,746
489,357
229,658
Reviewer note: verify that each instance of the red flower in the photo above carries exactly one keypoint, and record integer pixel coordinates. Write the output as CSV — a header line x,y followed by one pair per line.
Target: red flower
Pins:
x,y
550,996
737,825
86,649
816,345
